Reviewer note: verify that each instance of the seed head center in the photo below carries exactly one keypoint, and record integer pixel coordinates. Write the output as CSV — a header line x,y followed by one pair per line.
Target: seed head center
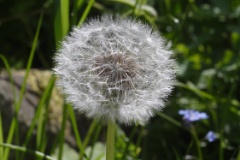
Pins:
x,y
117,70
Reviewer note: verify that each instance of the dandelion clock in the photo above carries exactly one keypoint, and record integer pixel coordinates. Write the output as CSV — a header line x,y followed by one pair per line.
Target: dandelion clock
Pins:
x,y
116,70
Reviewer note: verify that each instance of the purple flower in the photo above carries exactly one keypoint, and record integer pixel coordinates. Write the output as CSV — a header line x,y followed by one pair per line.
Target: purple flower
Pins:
x,y
210,136
192,115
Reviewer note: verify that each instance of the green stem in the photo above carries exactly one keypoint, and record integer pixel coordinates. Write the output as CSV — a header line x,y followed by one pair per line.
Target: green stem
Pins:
x,y
110,141
199,150
221,157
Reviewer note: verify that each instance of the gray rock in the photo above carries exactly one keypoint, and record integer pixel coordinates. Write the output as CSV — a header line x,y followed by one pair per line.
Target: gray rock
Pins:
x,y
36,84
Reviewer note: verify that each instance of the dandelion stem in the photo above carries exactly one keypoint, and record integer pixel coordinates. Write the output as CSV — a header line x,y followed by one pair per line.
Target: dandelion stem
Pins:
x,y
110,140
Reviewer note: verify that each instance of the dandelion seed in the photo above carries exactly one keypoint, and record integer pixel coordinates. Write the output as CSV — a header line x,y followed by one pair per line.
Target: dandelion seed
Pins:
x,y
115,69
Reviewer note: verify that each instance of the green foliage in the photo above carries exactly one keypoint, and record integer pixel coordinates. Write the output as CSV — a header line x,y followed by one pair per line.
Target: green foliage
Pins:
x,y
205,36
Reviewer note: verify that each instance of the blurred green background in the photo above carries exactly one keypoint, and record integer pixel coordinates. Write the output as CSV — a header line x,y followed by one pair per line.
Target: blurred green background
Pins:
x,y
205,35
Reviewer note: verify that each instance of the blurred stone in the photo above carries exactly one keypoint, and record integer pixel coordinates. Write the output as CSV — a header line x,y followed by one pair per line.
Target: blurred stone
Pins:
x,y
37,82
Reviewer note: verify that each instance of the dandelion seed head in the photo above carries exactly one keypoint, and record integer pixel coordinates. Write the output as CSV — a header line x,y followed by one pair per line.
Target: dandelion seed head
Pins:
x,y
115,68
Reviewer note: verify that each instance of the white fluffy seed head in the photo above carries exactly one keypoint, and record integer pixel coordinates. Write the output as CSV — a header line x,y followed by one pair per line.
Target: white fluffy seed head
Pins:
x,y
115,68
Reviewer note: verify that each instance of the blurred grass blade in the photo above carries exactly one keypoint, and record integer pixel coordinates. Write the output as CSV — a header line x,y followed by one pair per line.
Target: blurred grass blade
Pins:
x,y
88,136
41,140
90,133
177,156
139,140
238,156
43,116
4,60
136,7
63,126
23,149
1,134
139,7
100,157
198,143
168,118
127,2
14,98
61,22
58,28
14,122
85,13
64,16
10,76
77,5
45,96
42,122
190,86
41,129
125,152
95,138
168,5
75,128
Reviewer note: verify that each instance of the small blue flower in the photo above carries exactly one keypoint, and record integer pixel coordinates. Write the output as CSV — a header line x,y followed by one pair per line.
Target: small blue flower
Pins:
x,y
211,136
192,115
